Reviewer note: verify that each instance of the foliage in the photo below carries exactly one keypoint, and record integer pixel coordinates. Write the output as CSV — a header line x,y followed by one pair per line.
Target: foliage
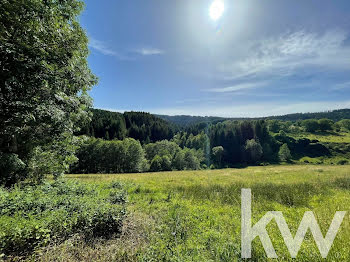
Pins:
x,y
11,168
254,150
284,153
31,217
325,124
345,123
218,153
141,126
44,82
310,125
116,156
127,156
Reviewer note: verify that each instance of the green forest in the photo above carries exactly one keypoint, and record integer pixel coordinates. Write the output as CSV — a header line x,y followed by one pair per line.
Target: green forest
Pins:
x,y
142,142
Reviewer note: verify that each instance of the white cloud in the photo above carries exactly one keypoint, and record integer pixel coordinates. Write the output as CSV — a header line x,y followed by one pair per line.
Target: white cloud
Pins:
x,y
100,46
105,50
237,87
285,55
149,51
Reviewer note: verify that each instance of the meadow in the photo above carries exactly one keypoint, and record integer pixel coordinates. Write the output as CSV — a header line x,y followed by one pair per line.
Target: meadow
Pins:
x,y
195,215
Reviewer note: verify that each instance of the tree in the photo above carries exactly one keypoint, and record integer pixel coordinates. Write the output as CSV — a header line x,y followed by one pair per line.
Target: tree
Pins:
x,y
254,150
156,164
284,153
166,163
191,161
310,125
179,161
273,126
44,82
325,124
345,123
218,153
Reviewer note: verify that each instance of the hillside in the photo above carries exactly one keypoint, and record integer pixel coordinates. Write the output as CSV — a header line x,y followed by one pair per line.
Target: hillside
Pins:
x,y
334,115
186,120
142,126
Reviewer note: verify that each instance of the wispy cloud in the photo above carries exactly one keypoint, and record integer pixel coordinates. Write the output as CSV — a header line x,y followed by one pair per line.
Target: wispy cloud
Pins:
x,y
341,86
149,51
101,47
285,55
104,49
237,87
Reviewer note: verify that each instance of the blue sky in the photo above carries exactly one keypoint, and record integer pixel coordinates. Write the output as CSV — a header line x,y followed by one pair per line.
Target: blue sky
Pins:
x,y
260,58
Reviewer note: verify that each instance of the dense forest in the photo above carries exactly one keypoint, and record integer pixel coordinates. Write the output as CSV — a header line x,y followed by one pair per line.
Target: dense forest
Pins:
x,y
138,125
139,142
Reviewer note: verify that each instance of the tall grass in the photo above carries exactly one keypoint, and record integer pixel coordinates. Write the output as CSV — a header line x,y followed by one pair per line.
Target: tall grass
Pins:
x,y
195,215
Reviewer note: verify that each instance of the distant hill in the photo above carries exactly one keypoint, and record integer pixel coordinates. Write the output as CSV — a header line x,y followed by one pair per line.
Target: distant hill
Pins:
x,y
186,121
147,127
334,115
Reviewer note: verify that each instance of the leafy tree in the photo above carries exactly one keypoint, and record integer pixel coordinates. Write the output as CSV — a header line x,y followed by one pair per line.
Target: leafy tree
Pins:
x,y
254,150
179,161
101,156
191,161
135,155
156,164
345,123
310,125
166,163
218,153
44,83
284,153
325,124
274,126
161,148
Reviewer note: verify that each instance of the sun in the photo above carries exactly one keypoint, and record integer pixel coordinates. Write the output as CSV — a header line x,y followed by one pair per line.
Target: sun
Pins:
x,y
216,9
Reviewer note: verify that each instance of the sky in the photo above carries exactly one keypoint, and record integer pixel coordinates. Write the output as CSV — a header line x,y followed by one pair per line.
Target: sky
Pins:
x,y
259,58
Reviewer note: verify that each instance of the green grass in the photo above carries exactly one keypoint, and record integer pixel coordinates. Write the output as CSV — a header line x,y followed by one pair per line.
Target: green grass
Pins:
x,y
333,137
195,215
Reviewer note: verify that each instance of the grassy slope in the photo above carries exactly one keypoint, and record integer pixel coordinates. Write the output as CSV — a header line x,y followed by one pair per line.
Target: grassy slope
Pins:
x,y
195,215
332,140
341,137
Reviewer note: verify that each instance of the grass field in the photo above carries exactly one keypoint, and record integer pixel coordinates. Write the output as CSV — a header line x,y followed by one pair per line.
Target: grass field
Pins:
x,y
340,137
195,215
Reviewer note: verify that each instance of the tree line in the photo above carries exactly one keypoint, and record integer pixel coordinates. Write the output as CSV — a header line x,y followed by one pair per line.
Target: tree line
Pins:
x,y
141,126
220,145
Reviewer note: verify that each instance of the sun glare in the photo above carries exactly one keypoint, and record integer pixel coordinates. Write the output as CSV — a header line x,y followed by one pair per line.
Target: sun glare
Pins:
x,y
216,9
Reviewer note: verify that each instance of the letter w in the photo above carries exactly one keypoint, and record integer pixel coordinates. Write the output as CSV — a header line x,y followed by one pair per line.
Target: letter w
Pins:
x,y
293,244
309,221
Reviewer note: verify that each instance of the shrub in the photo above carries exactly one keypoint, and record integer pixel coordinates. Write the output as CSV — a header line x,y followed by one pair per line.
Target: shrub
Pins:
x,y
33,216
342,162
11,169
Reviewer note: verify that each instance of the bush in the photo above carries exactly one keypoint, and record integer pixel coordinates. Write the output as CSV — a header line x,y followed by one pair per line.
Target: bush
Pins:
x,y
32,217
11,169
342,162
